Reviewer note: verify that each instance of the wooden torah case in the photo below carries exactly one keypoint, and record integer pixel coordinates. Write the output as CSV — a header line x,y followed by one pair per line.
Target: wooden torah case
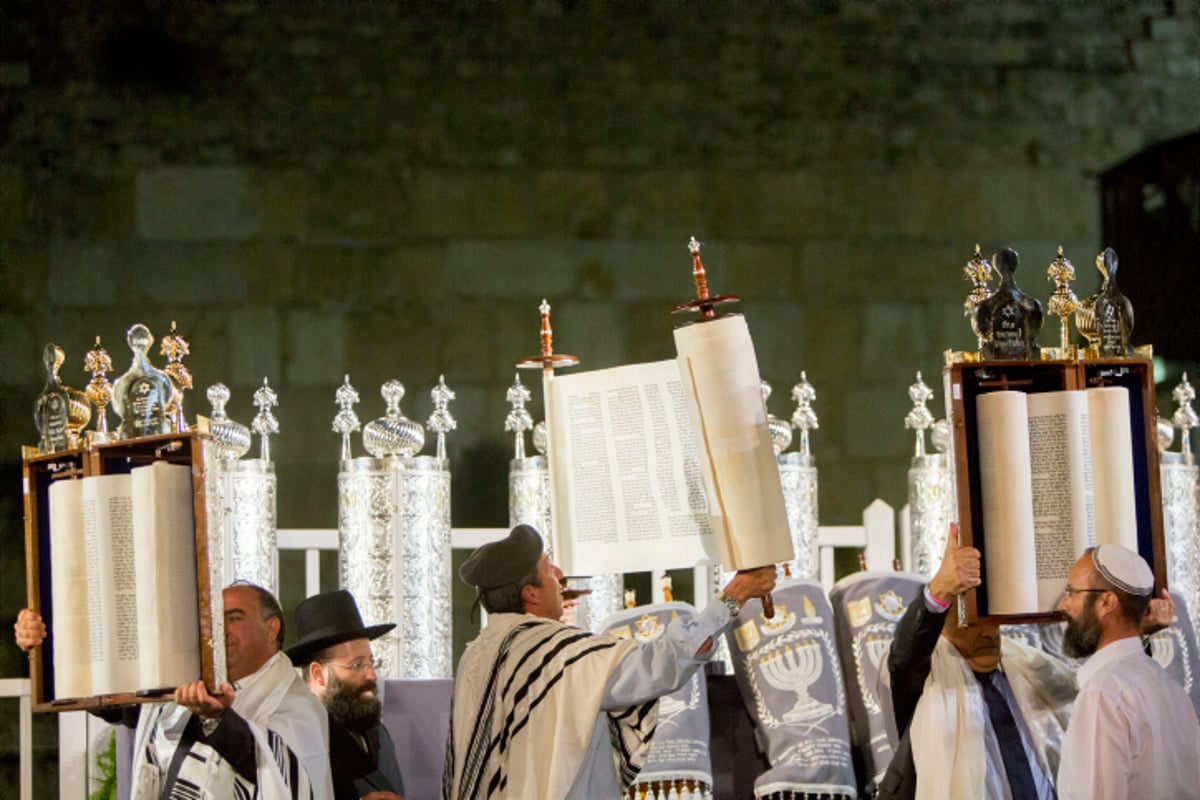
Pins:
x,y
966,383
121,458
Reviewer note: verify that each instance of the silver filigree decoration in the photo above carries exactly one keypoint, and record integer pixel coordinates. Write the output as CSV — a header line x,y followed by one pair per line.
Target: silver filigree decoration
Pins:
x,y
265,424
394,531
393,434
231,439
930,510
541,438
939,435
441,421
804,418
346,421
249,511
799,484
920,418
518,420
1184,418
781,430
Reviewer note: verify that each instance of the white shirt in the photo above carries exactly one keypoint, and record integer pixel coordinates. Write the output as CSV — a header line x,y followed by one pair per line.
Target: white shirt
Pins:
x,y
1133,732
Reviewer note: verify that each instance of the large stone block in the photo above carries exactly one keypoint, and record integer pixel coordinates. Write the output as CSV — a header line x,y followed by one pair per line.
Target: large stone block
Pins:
x,y
314,346
174,275
198,203
596,331
509,269
24,274
255,342
14,210
895,338
474,204
84,275
20,351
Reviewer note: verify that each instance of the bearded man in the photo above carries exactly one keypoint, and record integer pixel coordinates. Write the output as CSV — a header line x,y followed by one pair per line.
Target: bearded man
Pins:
x,y
1133,731
334,652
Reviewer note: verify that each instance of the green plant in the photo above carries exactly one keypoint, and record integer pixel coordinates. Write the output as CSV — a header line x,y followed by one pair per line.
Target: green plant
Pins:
x,y
106,760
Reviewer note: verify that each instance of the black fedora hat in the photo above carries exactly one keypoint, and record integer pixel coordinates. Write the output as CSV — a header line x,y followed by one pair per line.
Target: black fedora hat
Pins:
x,y
324,620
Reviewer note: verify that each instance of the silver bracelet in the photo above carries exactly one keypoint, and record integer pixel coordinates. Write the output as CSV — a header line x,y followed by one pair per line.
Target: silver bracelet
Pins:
x,y
730,603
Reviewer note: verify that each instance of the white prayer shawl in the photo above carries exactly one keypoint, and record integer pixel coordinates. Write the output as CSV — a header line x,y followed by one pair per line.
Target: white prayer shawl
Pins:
x,y
526,702
286,769
951,750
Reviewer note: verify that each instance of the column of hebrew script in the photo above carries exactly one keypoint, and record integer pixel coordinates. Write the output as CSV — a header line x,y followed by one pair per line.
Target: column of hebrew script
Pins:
x,y
69,596
165,557
112,583
624,480
1061,475
1056,472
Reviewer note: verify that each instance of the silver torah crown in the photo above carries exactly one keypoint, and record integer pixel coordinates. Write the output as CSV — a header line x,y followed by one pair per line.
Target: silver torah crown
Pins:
x,y
393,434
781,429
231,439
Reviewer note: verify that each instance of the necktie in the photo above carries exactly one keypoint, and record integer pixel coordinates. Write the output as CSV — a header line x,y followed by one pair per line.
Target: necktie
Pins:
x,y
1016,765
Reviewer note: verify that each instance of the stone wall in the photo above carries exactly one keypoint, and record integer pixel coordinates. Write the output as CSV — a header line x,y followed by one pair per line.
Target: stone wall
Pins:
x,y
389,189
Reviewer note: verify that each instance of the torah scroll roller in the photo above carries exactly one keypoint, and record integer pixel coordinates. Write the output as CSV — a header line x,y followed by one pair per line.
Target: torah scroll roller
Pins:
x,y
729,420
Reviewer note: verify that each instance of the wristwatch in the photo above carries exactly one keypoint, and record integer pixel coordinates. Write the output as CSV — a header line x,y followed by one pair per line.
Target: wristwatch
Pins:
x,y
730,602
208,725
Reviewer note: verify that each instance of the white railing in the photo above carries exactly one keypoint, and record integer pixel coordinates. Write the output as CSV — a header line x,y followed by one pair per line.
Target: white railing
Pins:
x,y
312,541
876,537
18,688
78,731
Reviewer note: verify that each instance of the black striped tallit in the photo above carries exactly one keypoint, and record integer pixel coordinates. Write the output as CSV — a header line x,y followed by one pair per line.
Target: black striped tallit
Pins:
x,y
532,660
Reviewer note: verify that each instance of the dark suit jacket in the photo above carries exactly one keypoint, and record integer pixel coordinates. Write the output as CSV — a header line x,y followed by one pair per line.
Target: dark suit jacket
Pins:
x,y
357,771
909,662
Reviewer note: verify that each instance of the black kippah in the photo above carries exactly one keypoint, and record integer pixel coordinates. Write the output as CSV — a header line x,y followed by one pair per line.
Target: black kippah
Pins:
x,y
503,562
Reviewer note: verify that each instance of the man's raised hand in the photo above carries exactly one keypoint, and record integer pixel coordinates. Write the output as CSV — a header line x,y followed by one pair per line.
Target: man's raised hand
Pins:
x,y
958,572
29,629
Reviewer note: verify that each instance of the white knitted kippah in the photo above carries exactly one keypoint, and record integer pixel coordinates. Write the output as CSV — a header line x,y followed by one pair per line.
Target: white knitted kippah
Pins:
x,y
1124,569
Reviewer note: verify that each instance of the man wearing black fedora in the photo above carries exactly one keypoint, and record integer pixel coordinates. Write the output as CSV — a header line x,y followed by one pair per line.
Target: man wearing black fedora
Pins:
x,y
334,653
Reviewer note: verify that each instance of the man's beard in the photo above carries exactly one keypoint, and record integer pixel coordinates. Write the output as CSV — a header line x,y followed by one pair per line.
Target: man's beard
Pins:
x,y
1082,636
349,707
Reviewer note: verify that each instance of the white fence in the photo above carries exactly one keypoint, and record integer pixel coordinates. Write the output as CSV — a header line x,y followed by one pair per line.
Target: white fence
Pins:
x,y
79,733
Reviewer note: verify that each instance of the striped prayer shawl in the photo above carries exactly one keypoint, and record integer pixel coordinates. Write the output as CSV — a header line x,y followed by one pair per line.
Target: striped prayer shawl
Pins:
x,y
204,774
526,703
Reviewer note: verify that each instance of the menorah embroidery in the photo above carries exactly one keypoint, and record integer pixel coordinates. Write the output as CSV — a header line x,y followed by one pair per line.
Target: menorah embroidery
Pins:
x,y
870,647
794,668
1162,649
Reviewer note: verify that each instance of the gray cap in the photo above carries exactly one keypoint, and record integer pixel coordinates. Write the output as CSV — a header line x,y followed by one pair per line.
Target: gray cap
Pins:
x,y
1124,569
505,561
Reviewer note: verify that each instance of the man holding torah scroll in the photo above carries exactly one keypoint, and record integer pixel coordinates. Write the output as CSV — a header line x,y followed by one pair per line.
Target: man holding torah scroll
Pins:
x,y
969,727
1133,731
263,736
545,710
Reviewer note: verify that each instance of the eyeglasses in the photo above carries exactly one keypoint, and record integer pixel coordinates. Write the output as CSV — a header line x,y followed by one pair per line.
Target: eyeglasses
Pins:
x,y
1071,590
361,665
